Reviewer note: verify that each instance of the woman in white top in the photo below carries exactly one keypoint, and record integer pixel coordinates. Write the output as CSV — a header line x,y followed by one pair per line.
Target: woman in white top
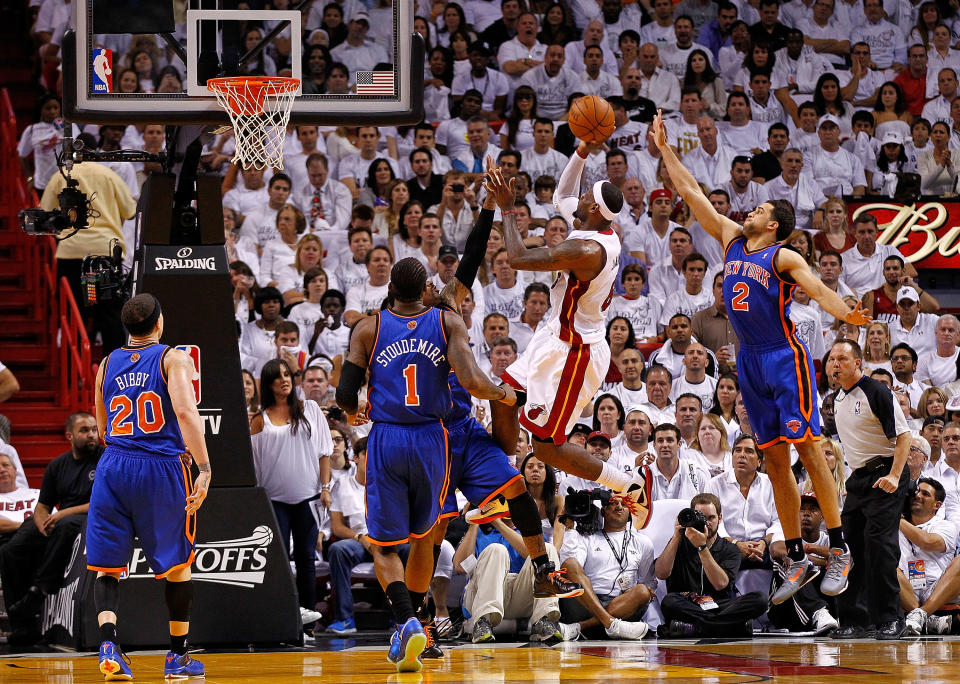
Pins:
x,y
725,404
406,241
280,252
291,448
264,65
290,278
386,210
938,166
251,397
40,143
876,353
517,132
308,311
711,448
541,482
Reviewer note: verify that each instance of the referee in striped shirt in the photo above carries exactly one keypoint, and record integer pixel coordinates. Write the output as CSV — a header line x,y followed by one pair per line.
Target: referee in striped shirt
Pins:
x,y
876,441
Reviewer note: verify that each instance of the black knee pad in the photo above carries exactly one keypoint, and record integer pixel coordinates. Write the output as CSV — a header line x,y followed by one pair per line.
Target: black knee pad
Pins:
x,y
179,596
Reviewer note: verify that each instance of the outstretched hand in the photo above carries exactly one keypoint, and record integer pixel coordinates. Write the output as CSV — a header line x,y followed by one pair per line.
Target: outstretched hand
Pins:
x,y
858,315
498,186
659,131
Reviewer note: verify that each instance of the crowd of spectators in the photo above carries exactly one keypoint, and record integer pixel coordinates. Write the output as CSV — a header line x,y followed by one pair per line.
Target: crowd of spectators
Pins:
x,y
809,100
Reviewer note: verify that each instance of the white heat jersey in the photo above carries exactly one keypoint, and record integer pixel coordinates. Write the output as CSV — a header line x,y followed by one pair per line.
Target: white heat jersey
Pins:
x,y
577,307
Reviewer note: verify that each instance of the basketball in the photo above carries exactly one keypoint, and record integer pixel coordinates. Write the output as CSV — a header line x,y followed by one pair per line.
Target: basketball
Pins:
x,y
591,119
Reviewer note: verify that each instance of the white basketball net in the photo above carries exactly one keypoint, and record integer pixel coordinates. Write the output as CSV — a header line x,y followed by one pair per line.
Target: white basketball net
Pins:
x,y
259,109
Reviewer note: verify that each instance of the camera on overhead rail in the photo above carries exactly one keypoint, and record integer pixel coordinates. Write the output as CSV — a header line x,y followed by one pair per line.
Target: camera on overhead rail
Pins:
x,y
72,214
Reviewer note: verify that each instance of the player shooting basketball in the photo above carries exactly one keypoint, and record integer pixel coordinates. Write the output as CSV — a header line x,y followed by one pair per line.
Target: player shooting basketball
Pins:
x,y
777,379
566,360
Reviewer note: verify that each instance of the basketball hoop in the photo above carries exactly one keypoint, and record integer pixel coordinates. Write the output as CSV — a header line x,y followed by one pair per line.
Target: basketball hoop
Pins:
x,y
259,109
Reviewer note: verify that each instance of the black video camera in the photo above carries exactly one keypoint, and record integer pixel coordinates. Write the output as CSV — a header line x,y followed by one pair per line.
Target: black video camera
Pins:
x,y
578,507
690,517
72,214
102,277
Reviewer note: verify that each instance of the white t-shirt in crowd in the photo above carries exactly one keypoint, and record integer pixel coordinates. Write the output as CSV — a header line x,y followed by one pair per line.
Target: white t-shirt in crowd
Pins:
x,y
599,561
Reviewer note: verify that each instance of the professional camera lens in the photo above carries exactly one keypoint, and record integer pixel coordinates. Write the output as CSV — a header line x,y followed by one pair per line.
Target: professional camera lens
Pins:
x,y
689,517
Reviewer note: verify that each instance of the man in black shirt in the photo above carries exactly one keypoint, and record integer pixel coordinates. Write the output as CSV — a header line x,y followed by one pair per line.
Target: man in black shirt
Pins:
x,y
32,563
700,568
766,165
504,28
426,186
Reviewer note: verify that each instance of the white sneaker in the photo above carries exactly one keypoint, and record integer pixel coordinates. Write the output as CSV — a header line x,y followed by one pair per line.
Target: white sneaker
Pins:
x,y
824,622
569,632
624,629
915,621
939,624
308,617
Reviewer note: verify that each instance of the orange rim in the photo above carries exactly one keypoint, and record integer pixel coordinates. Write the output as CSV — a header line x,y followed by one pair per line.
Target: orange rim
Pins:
x,y
245,95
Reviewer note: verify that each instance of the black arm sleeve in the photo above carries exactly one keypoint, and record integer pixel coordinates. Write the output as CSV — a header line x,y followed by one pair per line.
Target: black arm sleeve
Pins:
x,y
351,380
475,248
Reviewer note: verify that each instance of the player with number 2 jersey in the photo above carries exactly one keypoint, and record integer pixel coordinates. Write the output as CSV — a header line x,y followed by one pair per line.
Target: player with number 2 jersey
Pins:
x,y
777,381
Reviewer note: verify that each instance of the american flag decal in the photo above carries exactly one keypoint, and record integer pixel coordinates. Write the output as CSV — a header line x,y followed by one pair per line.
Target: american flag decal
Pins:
x,y
375,83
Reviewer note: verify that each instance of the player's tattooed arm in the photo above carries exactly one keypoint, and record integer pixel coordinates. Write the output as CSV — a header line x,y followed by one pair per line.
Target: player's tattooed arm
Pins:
x,y
719,226
461,359
791,263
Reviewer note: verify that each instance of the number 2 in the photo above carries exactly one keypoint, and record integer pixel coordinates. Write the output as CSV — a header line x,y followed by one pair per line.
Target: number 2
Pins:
x,y
149,414
739,303
410,374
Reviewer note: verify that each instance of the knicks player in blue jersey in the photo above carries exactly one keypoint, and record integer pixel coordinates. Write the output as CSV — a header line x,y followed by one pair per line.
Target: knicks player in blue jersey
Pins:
x,y
777,379
409,350
147,413
480,467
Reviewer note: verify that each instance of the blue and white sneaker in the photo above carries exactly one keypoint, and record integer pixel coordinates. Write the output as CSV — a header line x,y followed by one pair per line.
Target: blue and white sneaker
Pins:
x,y
347,626
407,645
113,663
181,666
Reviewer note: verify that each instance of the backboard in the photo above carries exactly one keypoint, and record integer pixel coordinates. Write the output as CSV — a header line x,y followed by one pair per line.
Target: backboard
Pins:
x,y
203,39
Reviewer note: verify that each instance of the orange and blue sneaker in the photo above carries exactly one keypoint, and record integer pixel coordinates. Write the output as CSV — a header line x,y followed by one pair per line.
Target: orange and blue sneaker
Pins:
x,y
177,666
406,645
114,663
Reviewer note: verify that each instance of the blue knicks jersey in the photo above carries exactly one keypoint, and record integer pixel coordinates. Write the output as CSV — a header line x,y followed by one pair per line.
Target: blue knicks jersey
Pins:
x,y
409,369
462,401
756,297
140,416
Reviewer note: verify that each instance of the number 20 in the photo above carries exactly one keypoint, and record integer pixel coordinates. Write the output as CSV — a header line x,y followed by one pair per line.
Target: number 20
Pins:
x,y
149,414
739,302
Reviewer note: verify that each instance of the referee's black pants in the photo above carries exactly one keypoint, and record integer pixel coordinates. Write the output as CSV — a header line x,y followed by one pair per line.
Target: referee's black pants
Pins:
x,y
871,524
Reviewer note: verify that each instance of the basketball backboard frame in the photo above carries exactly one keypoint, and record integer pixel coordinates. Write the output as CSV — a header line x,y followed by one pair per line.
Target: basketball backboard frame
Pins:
x,y
198,107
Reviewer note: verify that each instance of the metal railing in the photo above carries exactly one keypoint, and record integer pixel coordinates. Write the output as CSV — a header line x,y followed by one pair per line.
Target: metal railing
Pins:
x,y
71,359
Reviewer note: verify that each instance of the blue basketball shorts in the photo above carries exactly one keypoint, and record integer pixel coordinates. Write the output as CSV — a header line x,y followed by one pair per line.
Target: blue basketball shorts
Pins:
x,y
480,469
136,494
779,390
408,474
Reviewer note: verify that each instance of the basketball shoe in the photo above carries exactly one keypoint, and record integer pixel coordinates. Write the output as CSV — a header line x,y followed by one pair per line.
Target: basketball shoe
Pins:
x,y
638,497
114,663
406,645
432,649
181,667
492,510
797,574
548,582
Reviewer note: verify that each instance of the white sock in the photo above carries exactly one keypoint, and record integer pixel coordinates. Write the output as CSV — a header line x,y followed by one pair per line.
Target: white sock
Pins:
x,y
614,478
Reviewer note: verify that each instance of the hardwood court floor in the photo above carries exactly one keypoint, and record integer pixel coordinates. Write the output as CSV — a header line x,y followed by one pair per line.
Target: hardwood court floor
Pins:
x,y
801,660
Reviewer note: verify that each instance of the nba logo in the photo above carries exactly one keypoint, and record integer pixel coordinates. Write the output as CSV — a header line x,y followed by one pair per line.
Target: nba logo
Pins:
x,y
193,351
102,70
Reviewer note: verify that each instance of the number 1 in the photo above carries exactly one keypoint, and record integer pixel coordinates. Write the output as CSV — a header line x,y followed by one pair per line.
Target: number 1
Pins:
x,y
410,373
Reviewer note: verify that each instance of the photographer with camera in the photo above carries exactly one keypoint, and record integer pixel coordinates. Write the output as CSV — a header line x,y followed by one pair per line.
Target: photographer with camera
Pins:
x,y
108,203
612,562
700,568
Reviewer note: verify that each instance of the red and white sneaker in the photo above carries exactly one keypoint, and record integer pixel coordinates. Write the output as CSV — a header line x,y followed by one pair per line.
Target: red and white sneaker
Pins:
x,y
493,509
638,497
